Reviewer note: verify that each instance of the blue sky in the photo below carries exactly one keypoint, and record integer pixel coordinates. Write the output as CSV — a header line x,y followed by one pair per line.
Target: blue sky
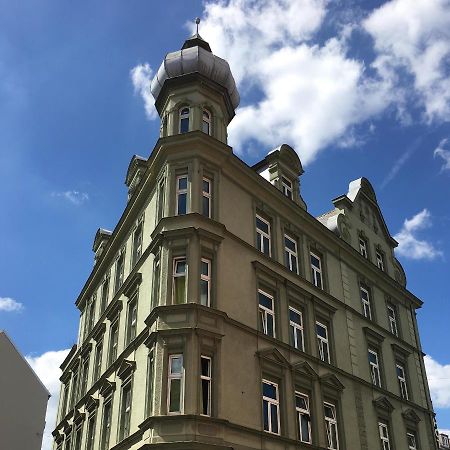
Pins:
x,y
358,88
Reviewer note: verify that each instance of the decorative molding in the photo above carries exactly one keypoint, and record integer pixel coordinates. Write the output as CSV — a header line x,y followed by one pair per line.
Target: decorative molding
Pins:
x,y
382,404
372,336
78,417
113,309
305,369
126,368
99,331
273,355
91,403
131,284
106,387
332,381
411,416
400,352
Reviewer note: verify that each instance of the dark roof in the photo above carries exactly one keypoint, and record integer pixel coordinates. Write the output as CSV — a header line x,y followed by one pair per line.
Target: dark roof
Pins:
x,y
196,41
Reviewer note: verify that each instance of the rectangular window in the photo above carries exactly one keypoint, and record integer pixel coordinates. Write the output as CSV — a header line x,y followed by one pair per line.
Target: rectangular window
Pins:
x,y
161,199
384,436
68,442
106,424
78,436
412,442
316,270
401,376
132,320
120,266
74,393
205,282
105,289
113,342
365,301
374,367
266,313
175,385
137,244
271,407
206,384
363,247
156,280
179,280
331,426
206,197
380,260
90,437
90,318
303,417
84,376
65,400
322,340
392,319
263,235
286,187
125,411
290,253
296,328
150,375
182,195
98,360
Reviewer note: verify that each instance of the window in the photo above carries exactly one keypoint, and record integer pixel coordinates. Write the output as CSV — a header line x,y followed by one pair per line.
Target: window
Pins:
x,y
384,436
125,411
137,244
266,313
150,375
78,436
290,253
392,319
90,319
316,270
322,340
106,424
205,282
161,199
90,437
120,266
286,187
182,194
156,280
175,385
303,417
365,300
84,376
105,289
179,280
401,376
74,393
296,328
68,442
363,247
98,360
380,260
206,197
263,235
65,400
184,120
113,342
331,426
206,122
132,320
271,407
412,443
374,368
206,384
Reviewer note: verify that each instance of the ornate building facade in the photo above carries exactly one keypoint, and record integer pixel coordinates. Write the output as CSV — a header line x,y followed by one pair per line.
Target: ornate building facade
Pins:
x,y
220,314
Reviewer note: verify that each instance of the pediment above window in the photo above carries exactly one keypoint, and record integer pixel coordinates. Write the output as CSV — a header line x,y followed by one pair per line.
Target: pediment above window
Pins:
x,y
382,404
305,369
126,368
373,338
99,331
78,417
107,387
274,356
331,381
131,284
91,403
411,416
113,309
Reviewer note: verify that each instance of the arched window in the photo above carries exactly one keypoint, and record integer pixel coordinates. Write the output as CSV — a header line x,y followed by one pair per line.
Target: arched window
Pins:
x,y
206,122
184,120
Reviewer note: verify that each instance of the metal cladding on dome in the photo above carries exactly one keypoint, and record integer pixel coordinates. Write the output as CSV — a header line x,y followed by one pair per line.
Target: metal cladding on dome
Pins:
x,y
196,57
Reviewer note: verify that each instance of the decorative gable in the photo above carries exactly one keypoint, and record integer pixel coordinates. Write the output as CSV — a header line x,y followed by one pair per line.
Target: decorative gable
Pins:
x,y
107,387
305,369
332,382
411,416
382,404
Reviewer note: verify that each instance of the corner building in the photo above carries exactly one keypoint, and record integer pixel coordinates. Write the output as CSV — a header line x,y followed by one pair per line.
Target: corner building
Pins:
x,y
221,315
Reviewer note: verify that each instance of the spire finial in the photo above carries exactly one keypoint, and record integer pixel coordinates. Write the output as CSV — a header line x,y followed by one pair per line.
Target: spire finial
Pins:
x,y
197,21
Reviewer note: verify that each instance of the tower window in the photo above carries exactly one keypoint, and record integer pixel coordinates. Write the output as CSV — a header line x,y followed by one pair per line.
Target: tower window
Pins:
x,y
206,122
206,382
205,282
286,186
179,280
182,192
206,197
184,120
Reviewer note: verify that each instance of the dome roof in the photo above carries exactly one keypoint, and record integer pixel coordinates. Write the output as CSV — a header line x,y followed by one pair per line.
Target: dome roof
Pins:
x,y
196,57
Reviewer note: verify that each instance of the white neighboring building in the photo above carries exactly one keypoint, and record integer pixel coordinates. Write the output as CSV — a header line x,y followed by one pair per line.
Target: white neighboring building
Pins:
x,y
444,441
23,400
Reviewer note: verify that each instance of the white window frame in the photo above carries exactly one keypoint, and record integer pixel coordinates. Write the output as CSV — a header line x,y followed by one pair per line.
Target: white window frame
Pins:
x,y
132,319
363,248
331,422
289,254
271,402
175,275
181,192
403,385
375,372
183,115
120,271
113,343
206,379
300,413
137,243
383,430
206,121
264,235
365,302
297,329
316,270
207,279
208,196
323,341
175,376
264,312
413,445
392,315
287,187
380,260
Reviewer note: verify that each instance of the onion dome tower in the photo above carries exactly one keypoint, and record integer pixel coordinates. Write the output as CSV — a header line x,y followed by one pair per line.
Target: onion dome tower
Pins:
x,y
195,90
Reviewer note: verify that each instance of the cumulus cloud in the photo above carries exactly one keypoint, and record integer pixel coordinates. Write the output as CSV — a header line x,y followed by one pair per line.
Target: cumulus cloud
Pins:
x,y
47,369
77,198
443,153
141,76
439,380
409,245
8,304
411,39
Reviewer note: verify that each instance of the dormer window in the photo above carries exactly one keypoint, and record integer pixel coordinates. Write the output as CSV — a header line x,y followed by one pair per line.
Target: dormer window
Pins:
x,y
286,187
184,120
206,122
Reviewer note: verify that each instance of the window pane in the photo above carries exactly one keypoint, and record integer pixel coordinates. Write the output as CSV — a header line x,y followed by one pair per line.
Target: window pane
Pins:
x,y
205,127
175,391
289,243
205,363
270,325
295,317
205,397
263,226
204,297
206,186
305,428
321,331
184,125
205,206
269,390
182,204
300,402
176,365
315,262
266,246
180,266
266,301
205,268
266,415
274,418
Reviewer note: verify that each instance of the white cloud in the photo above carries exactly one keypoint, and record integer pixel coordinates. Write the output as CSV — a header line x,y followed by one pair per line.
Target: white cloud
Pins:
x,y
8,304
443,153
75,197
439,380
47,369
412,40
412,247
141,76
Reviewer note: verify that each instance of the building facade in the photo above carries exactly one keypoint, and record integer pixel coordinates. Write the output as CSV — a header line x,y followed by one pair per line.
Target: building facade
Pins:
x,y
220,314
23,400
